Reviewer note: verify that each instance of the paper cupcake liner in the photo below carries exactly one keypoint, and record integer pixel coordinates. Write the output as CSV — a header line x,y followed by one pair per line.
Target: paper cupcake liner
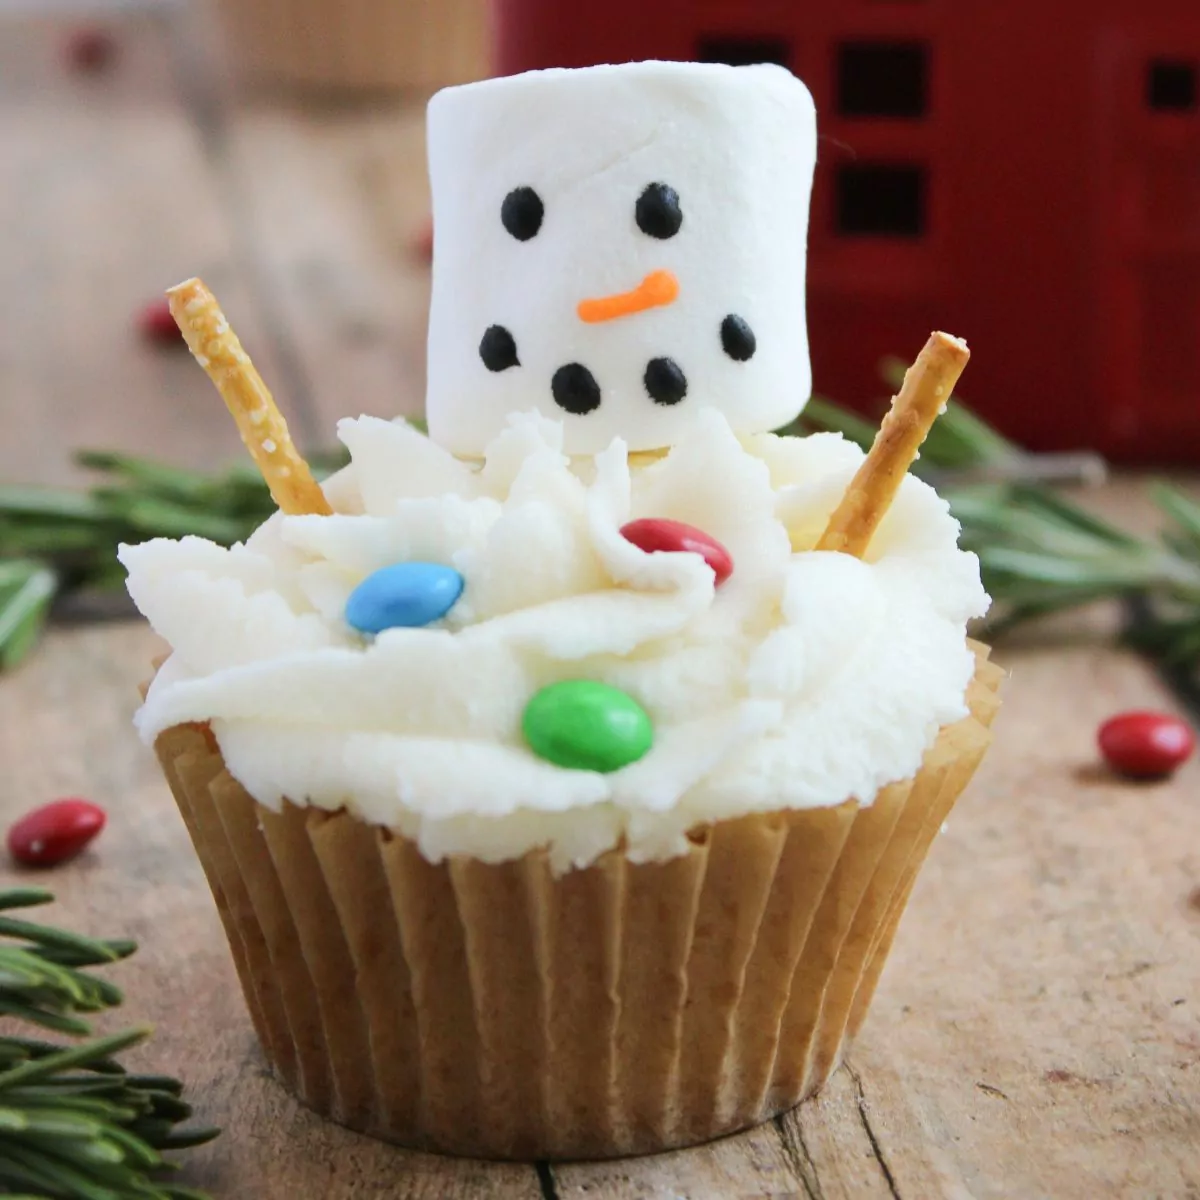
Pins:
x,y
498,1011
365,44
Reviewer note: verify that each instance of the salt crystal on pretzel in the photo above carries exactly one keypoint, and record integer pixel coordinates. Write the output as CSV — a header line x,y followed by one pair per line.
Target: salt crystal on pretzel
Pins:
x,y
264,431
927,386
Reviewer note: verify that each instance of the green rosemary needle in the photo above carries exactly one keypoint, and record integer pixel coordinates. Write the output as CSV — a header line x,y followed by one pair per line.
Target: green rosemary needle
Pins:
x,y
73,1124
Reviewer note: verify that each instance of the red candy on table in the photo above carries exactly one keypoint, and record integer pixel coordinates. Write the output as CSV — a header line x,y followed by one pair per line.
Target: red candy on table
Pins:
x,y
90,49
55,832
422,243
156,324
1145,745
657,533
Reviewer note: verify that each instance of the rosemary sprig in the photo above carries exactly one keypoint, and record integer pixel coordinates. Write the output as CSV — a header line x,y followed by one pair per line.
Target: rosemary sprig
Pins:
x,y
74,1125
56,541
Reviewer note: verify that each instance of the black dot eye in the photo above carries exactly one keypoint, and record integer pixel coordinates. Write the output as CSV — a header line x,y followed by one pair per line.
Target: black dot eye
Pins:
x,y
657,211
522,213
498,349
575,389
665,381
737,338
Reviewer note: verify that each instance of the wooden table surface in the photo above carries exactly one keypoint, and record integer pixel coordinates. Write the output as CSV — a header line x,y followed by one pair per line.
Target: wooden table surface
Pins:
x,y
1036,1033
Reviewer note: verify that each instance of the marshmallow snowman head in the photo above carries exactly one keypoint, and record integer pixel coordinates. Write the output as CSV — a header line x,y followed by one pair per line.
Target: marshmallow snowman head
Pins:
x,y
618,247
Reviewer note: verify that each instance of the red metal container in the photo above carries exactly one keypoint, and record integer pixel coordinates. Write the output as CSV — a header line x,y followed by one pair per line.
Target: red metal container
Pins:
x,y
1026,174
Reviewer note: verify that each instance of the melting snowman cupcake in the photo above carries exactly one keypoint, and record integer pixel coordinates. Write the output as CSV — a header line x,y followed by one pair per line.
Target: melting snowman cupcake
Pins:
x,y
561,800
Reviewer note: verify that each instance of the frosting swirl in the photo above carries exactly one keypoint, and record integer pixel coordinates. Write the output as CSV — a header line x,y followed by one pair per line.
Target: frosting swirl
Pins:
x,y
807,678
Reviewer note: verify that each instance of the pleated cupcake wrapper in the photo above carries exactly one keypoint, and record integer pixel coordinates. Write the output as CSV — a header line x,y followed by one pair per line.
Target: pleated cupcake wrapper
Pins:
x,y
500,1011
368,44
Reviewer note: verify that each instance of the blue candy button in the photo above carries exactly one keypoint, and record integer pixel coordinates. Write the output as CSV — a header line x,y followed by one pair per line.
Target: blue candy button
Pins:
x,y
406,595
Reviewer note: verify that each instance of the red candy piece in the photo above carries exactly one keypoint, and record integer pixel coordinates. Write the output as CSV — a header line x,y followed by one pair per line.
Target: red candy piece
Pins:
x,y
422,243
657,533
156,324
55,832
1145,745
90,50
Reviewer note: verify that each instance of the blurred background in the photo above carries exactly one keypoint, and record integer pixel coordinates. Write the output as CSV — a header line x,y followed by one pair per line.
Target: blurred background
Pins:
x,y
1039,195
275,149
1027,173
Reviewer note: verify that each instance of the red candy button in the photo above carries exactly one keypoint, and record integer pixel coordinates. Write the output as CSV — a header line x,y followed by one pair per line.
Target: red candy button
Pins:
x,y
55,832
1145,745
655,533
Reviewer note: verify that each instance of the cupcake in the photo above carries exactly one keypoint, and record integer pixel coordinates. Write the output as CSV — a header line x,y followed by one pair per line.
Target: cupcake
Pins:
x,y
561,776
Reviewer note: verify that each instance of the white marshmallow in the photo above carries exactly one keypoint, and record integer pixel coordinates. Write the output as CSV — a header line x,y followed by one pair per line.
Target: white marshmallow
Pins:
x,y
737,145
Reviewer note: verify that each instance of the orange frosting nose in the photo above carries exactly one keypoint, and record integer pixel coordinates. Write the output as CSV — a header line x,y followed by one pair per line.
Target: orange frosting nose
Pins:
x,y
659,288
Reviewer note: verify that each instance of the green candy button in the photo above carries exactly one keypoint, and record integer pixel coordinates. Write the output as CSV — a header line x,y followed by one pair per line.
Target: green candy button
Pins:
x,y
586,726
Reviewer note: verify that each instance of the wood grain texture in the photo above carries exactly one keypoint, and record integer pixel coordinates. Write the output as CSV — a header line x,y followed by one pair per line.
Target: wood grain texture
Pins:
x,y
353,297
105,200
326,201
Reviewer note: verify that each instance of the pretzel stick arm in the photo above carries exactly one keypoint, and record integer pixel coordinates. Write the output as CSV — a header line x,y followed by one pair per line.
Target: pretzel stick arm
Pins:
x,y
927,386
265,433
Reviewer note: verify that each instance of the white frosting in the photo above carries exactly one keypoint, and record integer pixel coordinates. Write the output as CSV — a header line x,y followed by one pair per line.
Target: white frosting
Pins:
x,y
805,679
738,145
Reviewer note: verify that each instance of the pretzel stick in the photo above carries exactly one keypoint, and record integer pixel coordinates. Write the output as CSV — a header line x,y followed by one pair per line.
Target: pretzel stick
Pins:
x,y
217,349
927,386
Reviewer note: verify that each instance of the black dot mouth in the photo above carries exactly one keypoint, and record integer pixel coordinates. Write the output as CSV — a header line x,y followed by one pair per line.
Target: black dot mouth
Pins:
x,y
665,381
575,389
498,349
